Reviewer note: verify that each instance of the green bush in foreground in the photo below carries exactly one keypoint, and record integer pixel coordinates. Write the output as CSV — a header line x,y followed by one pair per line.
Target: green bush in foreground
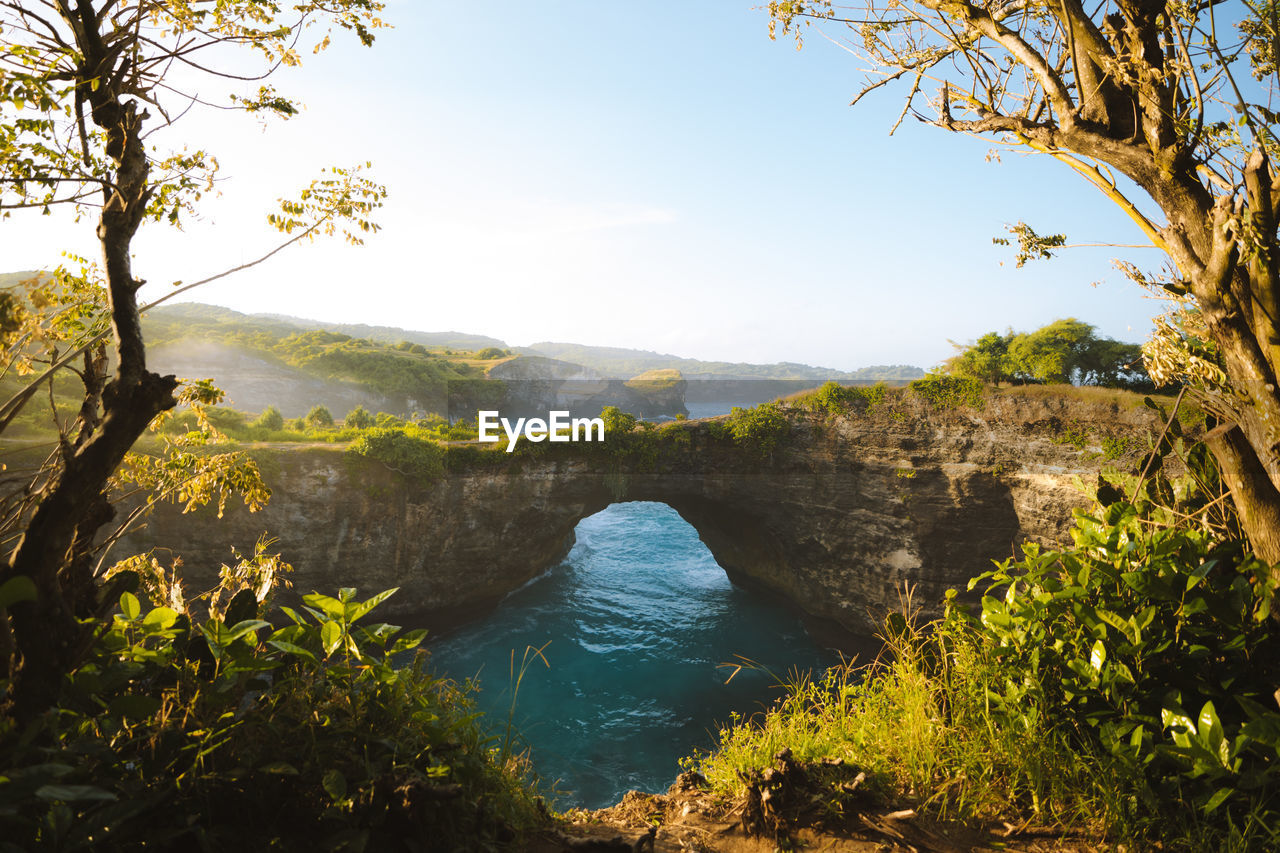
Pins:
x,y
231,734
1156,646
1123,685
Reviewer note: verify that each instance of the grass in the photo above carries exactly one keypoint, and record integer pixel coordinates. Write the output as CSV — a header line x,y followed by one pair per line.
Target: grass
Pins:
x,y
918,721
949,721
1083,393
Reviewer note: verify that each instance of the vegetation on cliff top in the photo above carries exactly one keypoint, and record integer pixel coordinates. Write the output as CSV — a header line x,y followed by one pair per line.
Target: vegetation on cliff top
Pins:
x,y
1061,352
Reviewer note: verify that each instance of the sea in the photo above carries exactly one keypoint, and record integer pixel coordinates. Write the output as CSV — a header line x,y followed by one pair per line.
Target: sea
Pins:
x,y
626,657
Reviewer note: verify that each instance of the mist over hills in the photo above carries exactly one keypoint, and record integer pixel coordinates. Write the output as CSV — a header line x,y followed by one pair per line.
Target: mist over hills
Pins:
x,y
619,361
168,324
201,314
293,363
609,362
394,334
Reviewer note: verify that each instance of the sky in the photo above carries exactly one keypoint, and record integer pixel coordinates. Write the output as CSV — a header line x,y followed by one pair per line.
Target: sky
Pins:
x,y
656,175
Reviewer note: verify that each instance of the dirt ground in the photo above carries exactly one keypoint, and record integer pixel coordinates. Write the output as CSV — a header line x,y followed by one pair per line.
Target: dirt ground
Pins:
x,y
790,807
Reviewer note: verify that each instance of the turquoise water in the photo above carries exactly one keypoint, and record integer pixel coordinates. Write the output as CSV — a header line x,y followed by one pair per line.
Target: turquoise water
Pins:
x,y
638,622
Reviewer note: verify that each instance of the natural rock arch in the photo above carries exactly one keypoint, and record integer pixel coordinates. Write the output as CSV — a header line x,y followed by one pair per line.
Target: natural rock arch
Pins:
x,y
835,522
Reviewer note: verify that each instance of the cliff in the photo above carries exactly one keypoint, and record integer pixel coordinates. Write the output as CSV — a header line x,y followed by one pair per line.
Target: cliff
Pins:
x,y
835,521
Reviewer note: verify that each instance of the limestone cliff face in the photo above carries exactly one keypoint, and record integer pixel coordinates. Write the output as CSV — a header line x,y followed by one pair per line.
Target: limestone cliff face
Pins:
x,y
836,521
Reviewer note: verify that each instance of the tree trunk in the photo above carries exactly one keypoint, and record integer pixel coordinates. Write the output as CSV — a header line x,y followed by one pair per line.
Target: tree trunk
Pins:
x,y
46,634
1256,498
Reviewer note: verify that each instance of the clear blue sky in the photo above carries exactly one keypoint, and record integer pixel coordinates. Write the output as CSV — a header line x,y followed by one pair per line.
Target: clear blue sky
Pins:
x,y
657,175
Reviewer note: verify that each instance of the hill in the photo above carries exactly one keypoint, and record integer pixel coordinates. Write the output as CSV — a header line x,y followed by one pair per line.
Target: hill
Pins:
x,y
623,363
294,363
394,334
183,320
261,360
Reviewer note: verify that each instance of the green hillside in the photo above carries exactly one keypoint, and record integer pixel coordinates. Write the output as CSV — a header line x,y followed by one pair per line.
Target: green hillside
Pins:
x,y
621,362
404,368
460,341
264,331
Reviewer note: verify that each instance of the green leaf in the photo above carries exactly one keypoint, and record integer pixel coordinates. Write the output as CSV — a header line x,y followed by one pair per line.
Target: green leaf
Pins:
x,y
327,604
368,604
129,606
1219,797
1179,724
335,785
1200,572
297,617
290,648
160,618
240,629
15,589
243,607
409,640
1211,734
330,636
1098,656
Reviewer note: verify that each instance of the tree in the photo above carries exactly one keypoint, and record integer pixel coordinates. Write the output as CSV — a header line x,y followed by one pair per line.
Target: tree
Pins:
x,y
358,418
270,419
1156,91
1063,351
319,418
1051,353
986,360
84,85
1114,364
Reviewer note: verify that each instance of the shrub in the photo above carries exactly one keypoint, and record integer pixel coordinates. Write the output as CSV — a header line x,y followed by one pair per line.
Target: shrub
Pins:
x,y
221,418
228,733
616,421
1157,646
319,418
948,392
760,429
835,399
402,449
918,722
358,418
1124,684
270,419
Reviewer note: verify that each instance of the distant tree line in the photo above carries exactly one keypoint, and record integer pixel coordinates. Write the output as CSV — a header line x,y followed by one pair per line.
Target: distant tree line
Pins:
x,y
1064,351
